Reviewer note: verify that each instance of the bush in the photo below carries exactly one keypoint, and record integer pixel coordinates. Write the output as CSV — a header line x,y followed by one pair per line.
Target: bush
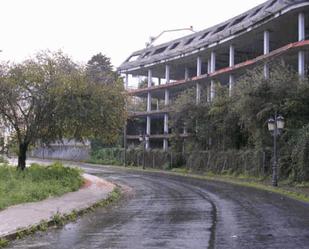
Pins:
x,y
36,183
108,156
249,162
300,155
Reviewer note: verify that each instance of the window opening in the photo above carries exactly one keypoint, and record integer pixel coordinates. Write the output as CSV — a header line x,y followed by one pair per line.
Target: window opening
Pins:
x,y
189,41
175,45
159,50
204,35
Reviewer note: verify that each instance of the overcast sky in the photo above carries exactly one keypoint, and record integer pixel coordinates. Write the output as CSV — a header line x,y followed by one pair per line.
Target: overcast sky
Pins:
x,y
82,28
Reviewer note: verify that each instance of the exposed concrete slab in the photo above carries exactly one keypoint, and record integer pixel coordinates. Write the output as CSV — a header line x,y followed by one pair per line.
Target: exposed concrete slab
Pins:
x,y
19,217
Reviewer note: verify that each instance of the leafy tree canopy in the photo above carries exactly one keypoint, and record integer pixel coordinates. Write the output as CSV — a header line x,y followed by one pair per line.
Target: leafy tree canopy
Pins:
x,y
99,70
50,97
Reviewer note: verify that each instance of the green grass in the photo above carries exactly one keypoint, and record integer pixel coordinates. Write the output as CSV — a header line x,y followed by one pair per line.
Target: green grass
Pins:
x,y
291,190
3,243
36,183
59,220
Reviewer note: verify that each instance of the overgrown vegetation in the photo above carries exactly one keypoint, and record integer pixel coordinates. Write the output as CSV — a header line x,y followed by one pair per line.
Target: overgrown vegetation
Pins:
x,y
36,183
3,243
233,129
229,134
106,156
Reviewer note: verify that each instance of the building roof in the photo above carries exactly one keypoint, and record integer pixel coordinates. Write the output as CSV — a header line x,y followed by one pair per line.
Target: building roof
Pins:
x,y
209,37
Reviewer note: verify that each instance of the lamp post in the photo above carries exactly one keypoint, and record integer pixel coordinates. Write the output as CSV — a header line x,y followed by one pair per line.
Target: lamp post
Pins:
x,y
144,139
275,126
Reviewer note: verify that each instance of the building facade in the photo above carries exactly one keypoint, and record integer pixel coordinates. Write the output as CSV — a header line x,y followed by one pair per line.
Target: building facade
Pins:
x,y
274,30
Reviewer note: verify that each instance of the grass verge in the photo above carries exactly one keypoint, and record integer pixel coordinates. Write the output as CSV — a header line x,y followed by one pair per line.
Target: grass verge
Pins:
x,y
36,183
59,220
291,190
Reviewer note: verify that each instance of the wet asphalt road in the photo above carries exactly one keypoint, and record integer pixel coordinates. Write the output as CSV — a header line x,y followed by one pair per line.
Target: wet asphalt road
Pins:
x,y
162,211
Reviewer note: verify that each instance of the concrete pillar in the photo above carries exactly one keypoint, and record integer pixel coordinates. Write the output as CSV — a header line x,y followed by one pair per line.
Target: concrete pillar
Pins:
x,y
266,51
301,63
149,77
126,82
231,84
198,73
165,144
167,73
208,72
159,81
213,62
165,123
148,102
165,141
149,94
212,90
199,66
232,56
148,132
166,103
208,93
301,37
209,66
212,70
186,73
167,97
301,27
266,42
231,64
198,93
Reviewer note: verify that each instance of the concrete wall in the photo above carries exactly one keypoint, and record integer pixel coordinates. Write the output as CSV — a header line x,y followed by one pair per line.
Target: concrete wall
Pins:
x,y
73,152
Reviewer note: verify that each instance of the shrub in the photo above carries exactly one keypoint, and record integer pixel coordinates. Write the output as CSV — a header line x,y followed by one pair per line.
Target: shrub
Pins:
x,y
300,155
109,156
36,183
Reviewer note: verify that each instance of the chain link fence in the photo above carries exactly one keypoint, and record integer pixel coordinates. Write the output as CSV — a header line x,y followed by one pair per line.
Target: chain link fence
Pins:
x,y
248,162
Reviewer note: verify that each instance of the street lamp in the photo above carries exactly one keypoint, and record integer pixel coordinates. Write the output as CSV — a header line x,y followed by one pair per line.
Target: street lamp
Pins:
x,y
275,126
144,139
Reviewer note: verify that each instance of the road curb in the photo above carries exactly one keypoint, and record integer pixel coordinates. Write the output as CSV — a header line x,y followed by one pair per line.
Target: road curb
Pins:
x,y
93,183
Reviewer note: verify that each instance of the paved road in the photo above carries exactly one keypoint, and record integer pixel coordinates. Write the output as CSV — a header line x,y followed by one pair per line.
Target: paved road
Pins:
x,y
164,211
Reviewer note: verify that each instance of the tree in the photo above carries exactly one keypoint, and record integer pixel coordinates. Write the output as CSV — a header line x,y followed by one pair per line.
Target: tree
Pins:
x,y
100,70
49,97
257,98
210,124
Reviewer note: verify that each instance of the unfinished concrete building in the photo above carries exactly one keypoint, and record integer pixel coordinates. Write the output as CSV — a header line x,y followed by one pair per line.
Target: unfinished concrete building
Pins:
x,y
277,29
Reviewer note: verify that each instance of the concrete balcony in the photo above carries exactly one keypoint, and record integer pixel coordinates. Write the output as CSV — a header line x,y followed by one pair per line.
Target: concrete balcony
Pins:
x,y
184,84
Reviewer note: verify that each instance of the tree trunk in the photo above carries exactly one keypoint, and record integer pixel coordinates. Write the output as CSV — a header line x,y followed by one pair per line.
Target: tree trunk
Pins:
x,y
23,147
